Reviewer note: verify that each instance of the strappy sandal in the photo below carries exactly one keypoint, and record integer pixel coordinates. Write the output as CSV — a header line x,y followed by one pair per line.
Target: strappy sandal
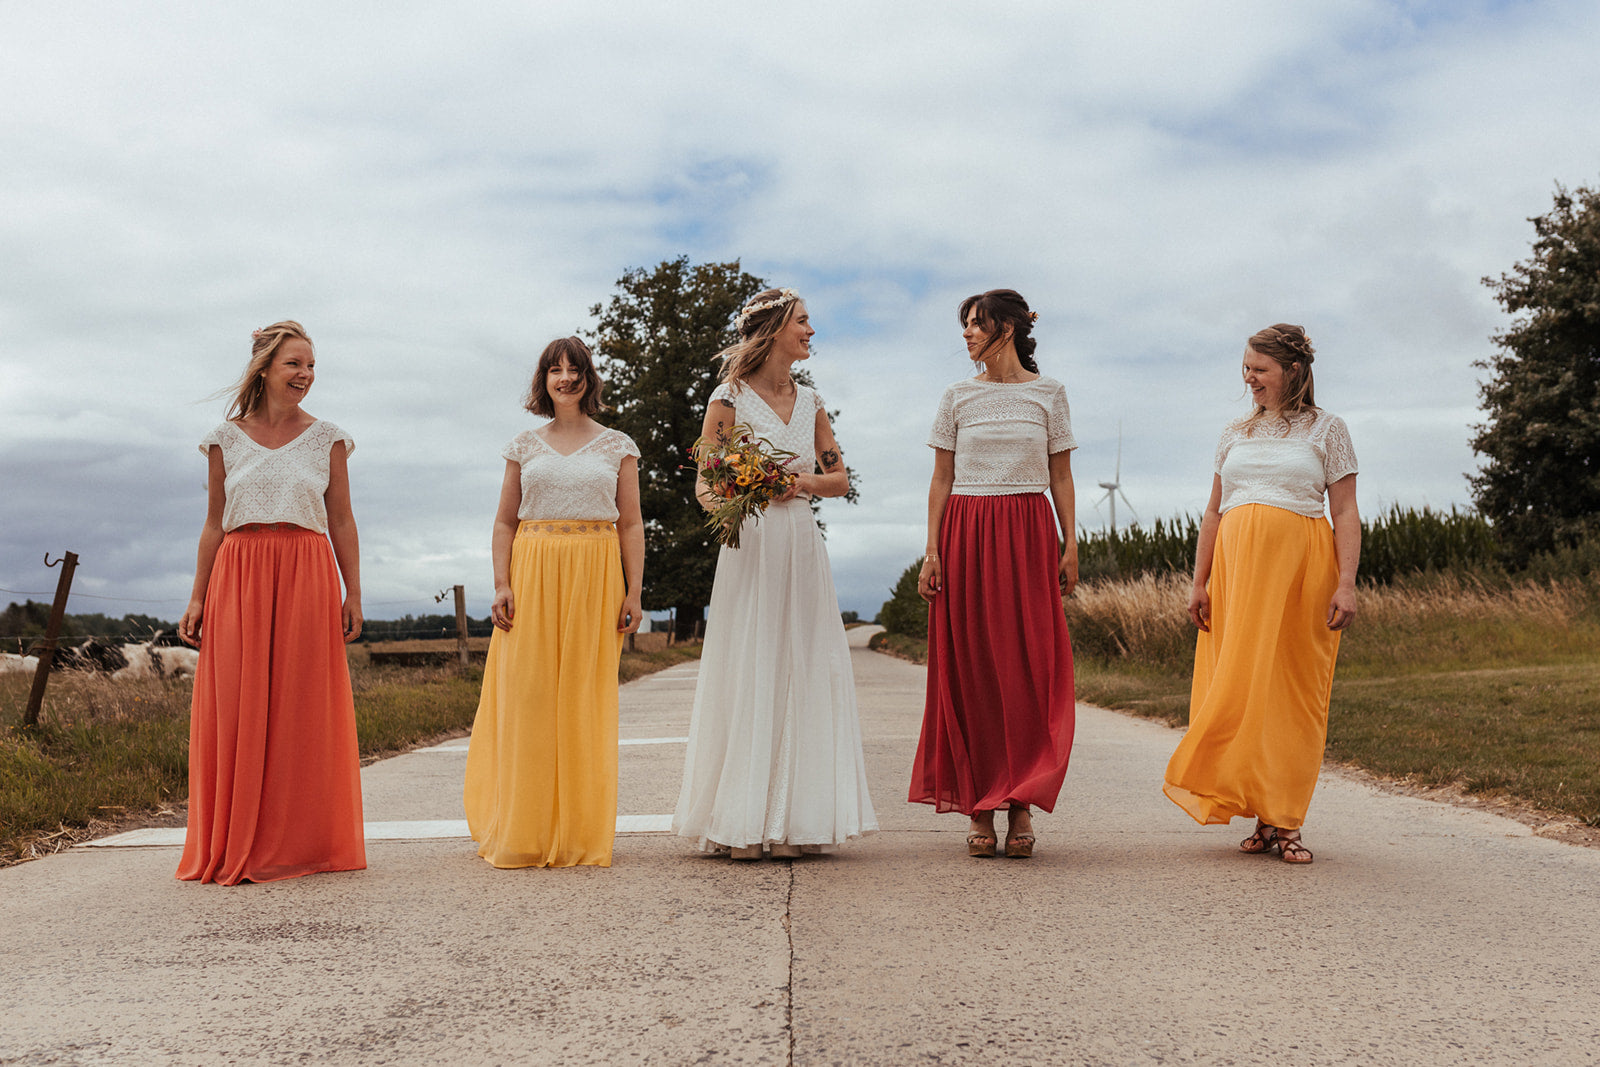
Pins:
x,y
980,844
1290,849
1019,845
1262,841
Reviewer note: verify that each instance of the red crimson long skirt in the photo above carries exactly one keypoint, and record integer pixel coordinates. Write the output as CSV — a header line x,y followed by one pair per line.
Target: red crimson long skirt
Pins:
x,y
274,770
998,721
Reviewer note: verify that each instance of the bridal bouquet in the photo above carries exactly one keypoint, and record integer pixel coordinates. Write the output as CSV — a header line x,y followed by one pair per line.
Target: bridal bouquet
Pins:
x,y
745,472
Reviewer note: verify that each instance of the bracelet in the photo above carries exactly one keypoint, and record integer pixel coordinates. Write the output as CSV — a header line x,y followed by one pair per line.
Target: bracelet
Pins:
x,y
930,557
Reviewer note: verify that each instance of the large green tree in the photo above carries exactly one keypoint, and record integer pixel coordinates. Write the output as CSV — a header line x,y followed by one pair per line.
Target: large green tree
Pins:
x,y
1540,482
655,341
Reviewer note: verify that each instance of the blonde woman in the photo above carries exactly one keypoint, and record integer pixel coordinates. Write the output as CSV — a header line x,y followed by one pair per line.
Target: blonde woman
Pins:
x,y
1274,586
274,769
568,550
775,761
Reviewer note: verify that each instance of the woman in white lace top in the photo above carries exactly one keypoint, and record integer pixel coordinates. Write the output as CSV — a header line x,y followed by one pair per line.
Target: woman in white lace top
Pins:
x,y
998,720
1273,587
274,768
775,761
568,551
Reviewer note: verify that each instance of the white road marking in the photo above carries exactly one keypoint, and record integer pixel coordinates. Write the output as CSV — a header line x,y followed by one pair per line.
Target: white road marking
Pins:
x,y
412,830
460,744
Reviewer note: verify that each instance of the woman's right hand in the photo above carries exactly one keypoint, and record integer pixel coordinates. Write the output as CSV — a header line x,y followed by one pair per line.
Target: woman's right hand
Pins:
x,y
1200,608
504,608
189,625
930,581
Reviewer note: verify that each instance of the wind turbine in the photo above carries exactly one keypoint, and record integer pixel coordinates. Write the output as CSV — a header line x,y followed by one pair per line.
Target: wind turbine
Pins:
x,y
1113,488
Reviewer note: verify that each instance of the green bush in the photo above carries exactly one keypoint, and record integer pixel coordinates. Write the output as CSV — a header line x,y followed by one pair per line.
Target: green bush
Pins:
x,y
905,612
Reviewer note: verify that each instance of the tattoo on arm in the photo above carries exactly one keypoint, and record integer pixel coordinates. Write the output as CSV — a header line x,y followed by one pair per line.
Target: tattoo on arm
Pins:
x,y
830,460
725,403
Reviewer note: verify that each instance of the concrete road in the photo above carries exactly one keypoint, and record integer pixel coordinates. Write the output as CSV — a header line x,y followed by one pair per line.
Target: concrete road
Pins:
x,y
1423,934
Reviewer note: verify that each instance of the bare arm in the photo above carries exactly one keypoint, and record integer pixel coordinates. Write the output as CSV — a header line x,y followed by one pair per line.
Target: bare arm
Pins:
x,y
1347,545
1199,596
504,608
930,580
190,625
834,479
719,416
1066,501
630,532
342,532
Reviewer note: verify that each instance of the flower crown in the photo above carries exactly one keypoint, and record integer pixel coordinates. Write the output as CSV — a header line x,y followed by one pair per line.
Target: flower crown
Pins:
x,y
784,296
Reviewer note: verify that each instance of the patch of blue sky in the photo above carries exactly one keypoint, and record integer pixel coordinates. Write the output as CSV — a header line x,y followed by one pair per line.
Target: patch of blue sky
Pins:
x,y
701,203
863,302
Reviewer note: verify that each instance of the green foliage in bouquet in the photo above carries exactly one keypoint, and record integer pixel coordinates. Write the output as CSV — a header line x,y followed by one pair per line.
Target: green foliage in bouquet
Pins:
x,y
746,473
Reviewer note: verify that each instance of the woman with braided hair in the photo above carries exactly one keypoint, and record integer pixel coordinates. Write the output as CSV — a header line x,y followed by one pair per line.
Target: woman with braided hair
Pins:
x,y
998,720
1274,586
775,763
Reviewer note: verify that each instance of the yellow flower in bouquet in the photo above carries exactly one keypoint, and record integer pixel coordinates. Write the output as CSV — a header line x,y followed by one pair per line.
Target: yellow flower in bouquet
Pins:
x,y
746,472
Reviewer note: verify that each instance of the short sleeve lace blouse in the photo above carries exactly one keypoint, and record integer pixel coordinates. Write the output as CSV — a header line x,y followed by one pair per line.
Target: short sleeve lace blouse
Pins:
x,y
580,485
1003,434
1285,465
284,484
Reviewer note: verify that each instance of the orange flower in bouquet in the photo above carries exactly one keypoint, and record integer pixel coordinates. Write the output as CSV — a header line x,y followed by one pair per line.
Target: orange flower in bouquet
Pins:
x,y
746,472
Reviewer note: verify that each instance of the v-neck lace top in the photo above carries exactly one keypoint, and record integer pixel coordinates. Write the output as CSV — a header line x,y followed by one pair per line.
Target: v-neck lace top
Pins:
x,y
581,485
1003,434
284,484
798,435
1285,465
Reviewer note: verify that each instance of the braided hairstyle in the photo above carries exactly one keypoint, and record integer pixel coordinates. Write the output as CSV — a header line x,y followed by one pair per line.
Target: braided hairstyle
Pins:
x,y
1288,346
758,330
251,390
998,309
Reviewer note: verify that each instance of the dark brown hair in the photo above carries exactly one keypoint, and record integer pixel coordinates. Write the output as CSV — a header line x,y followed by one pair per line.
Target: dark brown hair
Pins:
x,y
570,350
1289,347
997,309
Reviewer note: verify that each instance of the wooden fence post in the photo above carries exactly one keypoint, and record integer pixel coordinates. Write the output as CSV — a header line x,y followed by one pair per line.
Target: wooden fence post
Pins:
x,y
461,624
52,630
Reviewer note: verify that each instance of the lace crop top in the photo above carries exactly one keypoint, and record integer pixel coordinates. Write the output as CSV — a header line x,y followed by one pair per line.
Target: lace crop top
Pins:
x,y
284,484
1003,434
581,485
1285,466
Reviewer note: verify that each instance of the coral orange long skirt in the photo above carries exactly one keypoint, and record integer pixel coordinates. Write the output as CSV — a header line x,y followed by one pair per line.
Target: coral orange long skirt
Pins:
x,y
998,718
541,784
274,769
1258,707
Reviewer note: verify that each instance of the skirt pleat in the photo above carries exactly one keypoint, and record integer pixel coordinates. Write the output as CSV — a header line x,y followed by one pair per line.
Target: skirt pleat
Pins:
x,y
998,719
1258,707
274,765
541,783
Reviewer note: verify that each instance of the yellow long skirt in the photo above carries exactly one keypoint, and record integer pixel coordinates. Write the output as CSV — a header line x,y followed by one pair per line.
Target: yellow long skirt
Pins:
x,y
541,788
1258,707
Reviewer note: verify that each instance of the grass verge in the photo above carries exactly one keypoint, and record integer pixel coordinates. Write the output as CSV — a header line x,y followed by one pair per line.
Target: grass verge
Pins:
x,y
113,754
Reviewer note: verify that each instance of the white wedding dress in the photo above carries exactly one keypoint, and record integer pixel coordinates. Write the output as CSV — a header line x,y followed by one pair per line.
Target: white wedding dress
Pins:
x,y
775,738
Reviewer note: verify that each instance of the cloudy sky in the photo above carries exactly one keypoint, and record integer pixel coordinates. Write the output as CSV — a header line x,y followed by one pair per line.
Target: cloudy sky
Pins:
x,y
436,190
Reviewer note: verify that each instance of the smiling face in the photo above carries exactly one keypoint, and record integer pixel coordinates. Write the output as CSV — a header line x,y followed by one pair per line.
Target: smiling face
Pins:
x,y
293,369
980,339
793,341
1264,377
565,383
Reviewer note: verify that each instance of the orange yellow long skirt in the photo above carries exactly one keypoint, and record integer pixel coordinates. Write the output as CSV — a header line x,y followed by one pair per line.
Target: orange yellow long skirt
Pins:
x,y
541,787
274,768
1258,707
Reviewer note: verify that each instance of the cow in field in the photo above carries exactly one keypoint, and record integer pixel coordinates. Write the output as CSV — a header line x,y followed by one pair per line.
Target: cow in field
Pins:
x,y
11,663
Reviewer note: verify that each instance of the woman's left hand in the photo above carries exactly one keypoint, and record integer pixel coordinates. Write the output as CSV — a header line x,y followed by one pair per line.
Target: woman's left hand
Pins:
x,y
631,615
352,618
1068,570
790,493
1341,609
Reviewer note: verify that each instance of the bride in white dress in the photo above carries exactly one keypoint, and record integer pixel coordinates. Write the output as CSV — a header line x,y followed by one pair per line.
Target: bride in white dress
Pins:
x,y
775,740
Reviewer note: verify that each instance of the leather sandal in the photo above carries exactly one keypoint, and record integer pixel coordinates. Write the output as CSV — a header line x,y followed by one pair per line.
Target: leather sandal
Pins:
x,y
1290,849
1262,841
980,844
1019,843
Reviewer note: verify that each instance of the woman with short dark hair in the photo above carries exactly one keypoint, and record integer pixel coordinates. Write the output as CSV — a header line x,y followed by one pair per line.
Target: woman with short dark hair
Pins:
x,y
568,552
998,721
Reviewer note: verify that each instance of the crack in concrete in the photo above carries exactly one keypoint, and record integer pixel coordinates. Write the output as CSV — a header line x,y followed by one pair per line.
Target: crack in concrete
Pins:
x,y
788,927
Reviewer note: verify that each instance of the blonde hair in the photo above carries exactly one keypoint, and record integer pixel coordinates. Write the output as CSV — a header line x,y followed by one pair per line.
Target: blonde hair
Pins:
x,y
758,330
251,390
1289,347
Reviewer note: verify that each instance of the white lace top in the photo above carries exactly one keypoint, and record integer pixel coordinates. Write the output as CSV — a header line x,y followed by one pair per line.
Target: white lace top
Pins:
x,y
1003,434
798,435
284,484
1285,466
580,485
